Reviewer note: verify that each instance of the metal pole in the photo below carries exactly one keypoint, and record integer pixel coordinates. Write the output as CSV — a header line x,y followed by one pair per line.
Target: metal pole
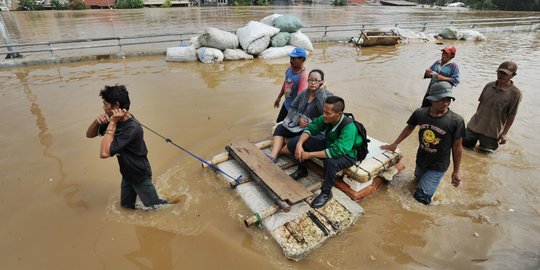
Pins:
x,y
7,41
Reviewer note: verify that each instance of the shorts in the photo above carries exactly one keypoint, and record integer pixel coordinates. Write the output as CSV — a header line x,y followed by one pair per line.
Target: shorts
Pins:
x,y
486,143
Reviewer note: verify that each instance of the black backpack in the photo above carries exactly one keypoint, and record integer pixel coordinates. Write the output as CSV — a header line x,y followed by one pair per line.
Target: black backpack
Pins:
x,y
362,149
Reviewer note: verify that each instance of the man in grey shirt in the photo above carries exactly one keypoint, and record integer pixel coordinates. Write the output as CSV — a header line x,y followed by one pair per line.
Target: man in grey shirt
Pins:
x,y
496,111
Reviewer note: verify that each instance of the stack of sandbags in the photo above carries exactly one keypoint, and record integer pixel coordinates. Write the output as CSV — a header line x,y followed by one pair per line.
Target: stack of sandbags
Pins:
x,y
289,30
274,36
287,39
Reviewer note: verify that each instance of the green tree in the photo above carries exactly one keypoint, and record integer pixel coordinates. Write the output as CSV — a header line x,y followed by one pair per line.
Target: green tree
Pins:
x,y
339,2
59,4
30,5
523,5
241,2
77,4
167,4
123,4
528,5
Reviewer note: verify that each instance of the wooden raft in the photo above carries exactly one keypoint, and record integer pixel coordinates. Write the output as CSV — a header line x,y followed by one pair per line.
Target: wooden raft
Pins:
x,y
279,186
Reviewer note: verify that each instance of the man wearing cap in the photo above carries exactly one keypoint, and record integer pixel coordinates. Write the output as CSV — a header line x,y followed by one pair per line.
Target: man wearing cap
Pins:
x,y
496,111
295,82
440,132
442,70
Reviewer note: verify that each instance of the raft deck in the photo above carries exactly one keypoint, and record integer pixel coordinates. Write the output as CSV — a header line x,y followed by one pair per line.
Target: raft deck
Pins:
x,y
295,231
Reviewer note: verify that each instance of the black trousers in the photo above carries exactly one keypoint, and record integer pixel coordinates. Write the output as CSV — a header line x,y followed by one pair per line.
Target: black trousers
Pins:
x,y
331,165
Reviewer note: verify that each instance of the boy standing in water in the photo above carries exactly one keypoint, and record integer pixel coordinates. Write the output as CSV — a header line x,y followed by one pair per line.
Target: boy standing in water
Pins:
x,y
123,137
441,132
295,82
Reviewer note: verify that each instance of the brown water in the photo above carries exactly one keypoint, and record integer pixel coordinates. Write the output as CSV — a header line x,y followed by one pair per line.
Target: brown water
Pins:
x,y
59,201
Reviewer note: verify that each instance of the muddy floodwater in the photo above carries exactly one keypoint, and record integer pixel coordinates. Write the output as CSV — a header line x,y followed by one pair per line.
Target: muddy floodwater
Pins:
x,y
59,202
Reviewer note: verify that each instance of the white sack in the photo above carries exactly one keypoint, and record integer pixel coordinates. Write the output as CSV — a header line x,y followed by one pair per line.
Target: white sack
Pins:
x,y
195,42
237,54
209,55
181,54
253,31
219,39
298,39
409,34
269,20
277,52
258,45
473,35
451,33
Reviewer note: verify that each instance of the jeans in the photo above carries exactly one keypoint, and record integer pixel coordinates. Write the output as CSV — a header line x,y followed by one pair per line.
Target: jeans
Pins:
x,y
146,191
428,181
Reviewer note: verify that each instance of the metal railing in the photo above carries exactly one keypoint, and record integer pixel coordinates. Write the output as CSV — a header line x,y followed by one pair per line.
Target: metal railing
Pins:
x,y
93,43
424,26
316,31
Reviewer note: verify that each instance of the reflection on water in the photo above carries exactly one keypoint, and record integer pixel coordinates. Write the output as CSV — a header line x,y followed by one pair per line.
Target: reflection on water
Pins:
x,y
154,249
489,222
68,190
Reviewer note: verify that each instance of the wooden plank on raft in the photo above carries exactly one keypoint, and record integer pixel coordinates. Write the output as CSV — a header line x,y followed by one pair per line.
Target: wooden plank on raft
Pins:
x,y
259,165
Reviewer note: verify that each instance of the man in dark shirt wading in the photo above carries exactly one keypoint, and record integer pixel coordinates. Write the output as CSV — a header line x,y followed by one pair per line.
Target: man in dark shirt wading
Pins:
x,y
123,137
441,132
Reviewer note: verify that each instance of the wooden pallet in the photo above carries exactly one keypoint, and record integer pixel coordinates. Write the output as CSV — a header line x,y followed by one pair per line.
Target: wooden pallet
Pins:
x,y
280,186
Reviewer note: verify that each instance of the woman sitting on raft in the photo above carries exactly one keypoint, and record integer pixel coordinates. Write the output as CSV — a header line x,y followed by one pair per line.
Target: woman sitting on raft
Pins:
x,y
306,106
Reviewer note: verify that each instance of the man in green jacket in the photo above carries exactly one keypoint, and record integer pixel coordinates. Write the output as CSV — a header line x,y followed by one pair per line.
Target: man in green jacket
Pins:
x,y
337,148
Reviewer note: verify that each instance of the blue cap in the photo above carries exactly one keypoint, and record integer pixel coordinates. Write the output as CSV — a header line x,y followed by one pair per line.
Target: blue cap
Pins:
x,y
298,52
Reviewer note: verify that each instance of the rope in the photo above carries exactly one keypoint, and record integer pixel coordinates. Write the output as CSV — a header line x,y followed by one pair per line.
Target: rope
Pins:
x,y
167,140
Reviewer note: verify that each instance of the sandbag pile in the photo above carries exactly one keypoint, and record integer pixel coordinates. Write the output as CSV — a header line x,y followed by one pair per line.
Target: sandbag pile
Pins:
x,y
274,36
454,33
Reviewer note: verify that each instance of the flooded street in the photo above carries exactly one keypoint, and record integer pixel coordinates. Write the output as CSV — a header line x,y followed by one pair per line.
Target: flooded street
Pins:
x,y
60,202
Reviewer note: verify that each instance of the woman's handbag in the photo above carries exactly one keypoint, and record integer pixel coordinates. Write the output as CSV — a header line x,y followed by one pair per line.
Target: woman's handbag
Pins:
x,y
291,120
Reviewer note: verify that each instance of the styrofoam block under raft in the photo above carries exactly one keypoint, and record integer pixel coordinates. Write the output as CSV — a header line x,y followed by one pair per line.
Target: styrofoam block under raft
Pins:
x,y
257,201
376,162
